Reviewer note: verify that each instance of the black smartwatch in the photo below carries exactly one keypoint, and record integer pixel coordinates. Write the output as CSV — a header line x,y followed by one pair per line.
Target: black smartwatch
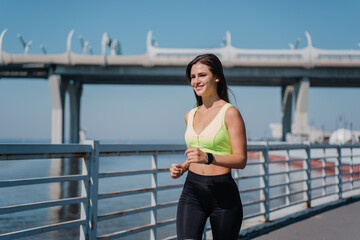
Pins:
x,y
210,158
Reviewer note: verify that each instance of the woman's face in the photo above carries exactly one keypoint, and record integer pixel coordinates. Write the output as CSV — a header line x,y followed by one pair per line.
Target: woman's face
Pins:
x,y
202,80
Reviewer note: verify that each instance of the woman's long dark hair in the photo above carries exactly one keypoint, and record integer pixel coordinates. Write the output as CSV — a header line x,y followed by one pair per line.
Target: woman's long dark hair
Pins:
x,y
215,66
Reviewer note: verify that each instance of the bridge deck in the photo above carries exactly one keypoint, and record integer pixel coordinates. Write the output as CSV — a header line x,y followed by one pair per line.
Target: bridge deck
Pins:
x,y
338,223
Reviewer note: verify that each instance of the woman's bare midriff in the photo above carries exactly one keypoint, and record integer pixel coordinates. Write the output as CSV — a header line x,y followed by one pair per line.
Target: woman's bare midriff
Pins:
x,y
208,170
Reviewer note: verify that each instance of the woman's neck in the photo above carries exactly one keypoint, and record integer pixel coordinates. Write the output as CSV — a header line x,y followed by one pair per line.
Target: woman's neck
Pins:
x,y
210,101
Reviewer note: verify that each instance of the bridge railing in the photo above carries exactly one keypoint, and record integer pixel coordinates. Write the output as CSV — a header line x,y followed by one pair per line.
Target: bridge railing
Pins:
x,y
28,152
280,179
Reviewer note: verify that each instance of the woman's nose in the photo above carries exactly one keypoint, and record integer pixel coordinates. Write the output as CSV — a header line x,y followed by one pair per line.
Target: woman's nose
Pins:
x,y
196,80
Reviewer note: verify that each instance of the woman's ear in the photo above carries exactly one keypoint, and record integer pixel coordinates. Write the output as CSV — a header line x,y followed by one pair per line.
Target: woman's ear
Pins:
x,y
217,80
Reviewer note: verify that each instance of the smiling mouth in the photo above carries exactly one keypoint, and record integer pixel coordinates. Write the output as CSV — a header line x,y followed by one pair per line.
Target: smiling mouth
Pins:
x,y
198,87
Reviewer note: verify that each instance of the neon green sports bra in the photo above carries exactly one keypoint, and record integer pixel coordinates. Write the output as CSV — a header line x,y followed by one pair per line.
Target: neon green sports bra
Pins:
x,y
214,138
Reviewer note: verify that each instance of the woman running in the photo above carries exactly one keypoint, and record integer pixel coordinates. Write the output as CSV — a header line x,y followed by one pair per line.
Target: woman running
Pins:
x,y
216,143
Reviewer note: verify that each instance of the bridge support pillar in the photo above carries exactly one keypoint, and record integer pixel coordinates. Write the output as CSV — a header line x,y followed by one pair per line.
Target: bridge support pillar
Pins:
x,y
75,91
72,166
58,88
286,106
60,167
300,126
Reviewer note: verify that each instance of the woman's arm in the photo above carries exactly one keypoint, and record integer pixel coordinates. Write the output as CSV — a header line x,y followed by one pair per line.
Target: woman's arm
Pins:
x,y
237,133
177,170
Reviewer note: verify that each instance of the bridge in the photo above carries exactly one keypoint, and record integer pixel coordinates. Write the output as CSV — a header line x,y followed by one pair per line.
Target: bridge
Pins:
x,y
294,70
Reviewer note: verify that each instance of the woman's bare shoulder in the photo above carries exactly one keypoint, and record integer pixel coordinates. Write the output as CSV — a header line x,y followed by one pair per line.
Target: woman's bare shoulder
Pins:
x,y
232,110
233,114
186,116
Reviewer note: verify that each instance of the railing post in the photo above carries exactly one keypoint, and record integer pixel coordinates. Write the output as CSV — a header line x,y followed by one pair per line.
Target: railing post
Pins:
x,y
154,184
262,183
92,191
204,233
351,170
287,177
323,172
85,191
339,166
266,180
307,166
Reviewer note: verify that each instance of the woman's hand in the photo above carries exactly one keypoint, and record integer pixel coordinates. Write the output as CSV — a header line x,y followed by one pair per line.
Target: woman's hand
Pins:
x,y
195,155
177,170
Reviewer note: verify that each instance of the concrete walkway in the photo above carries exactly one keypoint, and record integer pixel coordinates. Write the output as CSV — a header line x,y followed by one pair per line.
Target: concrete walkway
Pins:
x,y
339,223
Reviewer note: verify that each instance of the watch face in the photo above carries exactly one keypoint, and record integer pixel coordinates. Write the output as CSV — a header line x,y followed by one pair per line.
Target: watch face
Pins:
x,y
210,158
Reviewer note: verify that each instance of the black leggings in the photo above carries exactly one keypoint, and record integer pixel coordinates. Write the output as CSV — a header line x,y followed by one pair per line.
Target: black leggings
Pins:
x,y
216,197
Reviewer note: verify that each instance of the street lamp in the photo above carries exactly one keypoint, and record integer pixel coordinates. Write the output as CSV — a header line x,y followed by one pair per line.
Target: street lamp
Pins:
x,y
43,49
84,44
113,44
296,45
25,45
115,47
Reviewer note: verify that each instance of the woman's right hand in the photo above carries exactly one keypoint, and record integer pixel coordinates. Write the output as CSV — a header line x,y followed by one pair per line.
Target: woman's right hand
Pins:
x,y
176,170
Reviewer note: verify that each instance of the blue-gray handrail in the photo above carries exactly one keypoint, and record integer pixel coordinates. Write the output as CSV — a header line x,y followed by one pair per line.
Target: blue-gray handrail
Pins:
x,y
308,167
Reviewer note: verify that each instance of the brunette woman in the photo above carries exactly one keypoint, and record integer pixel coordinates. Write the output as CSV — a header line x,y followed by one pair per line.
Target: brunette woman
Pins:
x,y
216,143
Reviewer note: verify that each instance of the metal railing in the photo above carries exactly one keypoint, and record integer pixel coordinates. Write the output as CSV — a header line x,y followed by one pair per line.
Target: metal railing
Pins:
x,y
280,179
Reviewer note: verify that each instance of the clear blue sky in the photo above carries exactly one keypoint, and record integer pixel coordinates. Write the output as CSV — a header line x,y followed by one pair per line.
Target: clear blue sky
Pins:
x,y
151,112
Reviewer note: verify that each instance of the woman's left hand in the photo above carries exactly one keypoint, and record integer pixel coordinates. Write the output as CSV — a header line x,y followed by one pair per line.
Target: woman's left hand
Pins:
x,y
195,155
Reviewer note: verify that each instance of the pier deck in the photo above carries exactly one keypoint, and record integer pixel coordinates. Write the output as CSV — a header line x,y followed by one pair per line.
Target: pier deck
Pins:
x,y
339,223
